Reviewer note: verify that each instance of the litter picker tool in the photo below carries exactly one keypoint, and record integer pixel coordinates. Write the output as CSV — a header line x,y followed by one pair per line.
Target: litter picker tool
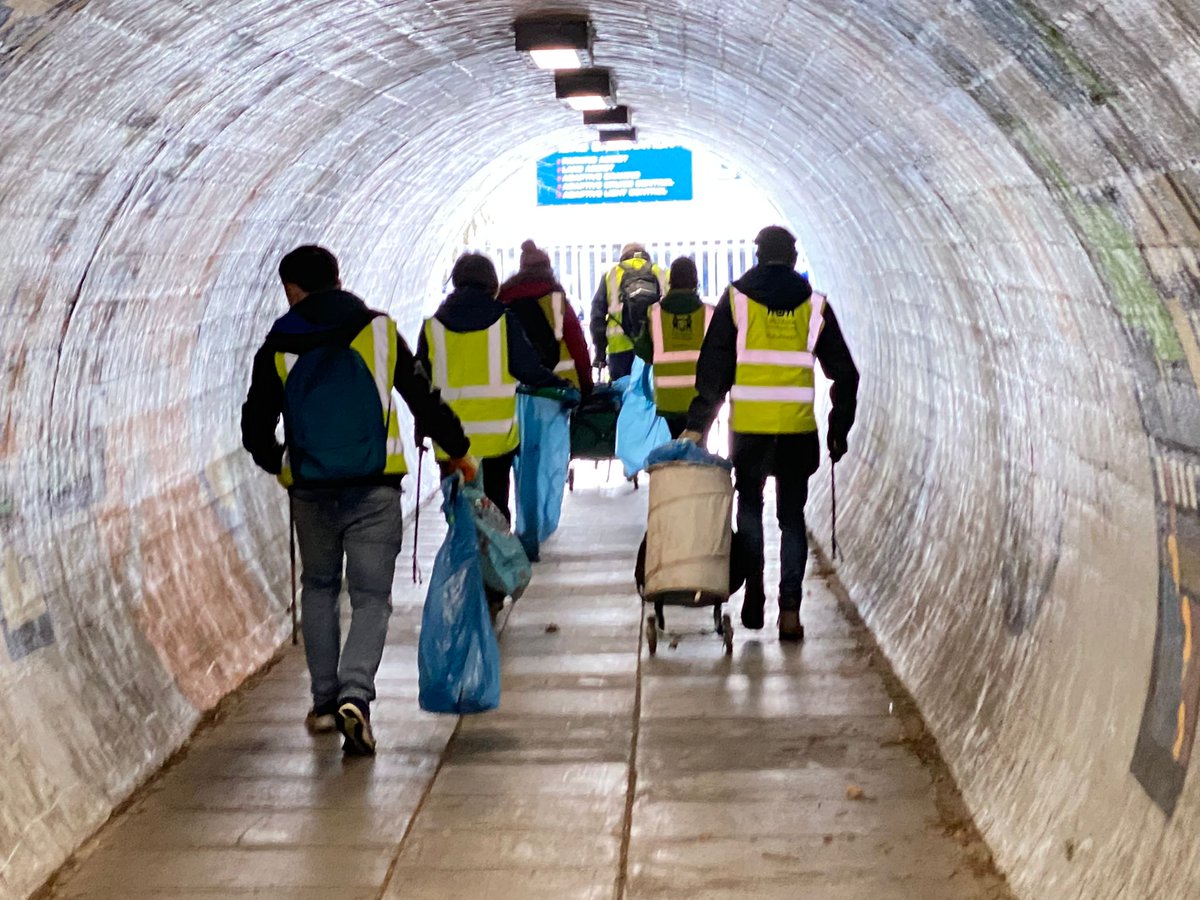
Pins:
x,y
416,575
292,545
833,543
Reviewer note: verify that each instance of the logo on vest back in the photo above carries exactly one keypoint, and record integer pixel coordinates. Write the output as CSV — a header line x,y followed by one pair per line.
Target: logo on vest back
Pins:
x,y
781,323
681,325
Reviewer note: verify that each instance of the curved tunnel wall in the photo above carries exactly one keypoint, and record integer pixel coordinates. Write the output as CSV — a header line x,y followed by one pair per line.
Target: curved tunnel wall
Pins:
x,y
1000,199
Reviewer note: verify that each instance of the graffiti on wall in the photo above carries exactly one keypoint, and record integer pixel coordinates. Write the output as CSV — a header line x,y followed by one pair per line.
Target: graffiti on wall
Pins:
x,y
24,618
1121,226
1168,730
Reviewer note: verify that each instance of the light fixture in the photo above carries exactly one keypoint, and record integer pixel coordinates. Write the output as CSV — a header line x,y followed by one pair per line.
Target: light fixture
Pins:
x,y
561,43
618,115
618,135
584,90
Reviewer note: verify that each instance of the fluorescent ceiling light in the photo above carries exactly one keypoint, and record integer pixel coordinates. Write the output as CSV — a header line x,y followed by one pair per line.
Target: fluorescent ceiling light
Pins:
x,y
618,115
622,136
587,102
556,58
561,42
585,89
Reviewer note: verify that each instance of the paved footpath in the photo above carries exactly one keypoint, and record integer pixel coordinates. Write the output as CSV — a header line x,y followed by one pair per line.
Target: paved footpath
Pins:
x,y
606,774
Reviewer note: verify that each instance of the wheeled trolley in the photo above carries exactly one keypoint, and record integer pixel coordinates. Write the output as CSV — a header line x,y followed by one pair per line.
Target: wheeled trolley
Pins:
x,y
594,429
685,558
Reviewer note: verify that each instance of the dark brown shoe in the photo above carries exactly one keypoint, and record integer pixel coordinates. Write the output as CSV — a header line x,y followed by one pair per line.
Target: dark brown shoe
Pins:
x,y
753,602
790,628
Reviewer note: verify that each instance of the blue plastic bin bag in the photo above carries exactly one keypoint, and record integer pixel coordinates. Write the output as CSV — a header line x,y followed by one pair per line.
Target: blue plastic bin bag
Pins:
x,y
502,559
683,450
541,467
458,662
639,427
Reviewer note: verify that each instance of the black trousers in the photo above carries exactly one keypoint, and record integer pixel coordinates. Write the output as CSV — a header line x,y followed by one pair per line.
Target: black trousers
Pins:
x,y
792,459
620,364
497,478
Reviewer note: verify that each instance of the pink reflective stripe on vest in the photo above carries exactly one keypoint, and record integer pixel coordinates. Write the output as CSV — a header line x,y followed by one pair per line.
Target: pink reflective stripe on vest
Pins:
x,y
774,394
675,381
816,321
556,305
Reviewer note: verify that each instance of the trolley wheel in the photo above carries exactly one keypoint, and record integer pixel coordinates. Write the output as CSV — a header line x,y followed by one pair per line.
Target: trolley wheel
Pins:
x,y
727,634
571,479
651,635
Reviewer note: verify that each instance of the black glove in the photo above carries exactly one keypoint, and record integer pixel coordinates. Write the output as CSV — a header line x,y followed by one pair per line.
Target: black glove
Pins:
x,y
600,361
836,446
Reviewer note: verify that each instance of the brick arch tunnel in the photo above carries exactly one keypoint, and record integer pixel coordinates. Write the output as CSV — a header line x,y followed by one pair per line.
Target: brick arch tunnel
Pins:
x,y
1003,199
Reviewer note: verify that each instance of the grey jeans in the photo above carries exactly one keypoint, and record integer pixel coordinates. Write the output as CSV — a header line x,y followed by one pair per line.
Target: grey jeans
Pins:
x,y
362,526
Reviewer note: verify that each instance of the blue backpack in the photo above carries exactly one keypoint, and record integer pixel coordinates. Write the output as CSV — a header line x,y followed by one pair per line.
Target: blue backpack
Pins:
x,y
333,417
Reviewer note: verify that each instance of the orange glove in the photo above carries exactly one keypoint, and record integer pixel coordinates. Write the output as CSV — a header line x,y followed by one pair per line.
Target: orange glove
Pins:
x,y
464,465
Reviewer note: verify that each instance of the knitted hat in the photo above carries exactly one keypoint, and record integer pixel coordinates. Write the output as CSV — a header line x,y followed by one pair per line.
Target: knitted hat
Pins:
x,y
683,274
475,270
532,257
776,245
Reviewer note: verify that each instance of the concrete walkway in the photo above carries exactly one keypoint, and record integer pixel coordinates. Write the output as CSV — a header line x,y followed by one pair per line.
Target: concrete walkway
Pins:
x,y
781,772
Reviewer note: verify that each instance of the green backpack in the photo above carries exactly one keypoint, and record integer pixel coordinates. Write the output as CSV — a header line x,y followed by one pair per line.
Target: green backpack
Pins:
x,y
333,417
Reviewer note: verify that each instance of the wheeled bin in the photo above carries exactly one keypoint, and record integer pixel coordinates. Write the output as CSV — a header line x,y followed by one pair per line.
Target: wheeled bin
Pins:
x,y
689,540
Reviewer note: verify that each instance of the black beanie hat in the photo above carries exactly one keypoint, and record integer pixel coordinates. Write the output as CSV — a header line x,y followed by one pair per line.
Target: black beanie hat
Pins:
x,y
776,245
683,274
475,270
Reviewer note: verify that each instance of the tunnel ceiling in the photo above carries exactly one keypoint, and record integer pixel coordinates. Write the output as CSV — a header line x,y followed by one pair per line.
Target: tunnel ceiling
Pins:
x,y
999,197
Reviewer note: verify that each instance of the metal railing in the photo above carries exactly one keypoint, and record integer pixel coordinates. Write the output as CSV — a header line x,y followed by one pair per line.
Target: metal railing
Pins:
x,y
580,267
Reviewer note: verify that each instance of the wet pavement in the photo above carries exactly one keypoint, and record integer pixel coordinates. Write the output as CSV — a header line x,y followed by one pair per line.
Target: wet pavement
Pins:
x,y
779,772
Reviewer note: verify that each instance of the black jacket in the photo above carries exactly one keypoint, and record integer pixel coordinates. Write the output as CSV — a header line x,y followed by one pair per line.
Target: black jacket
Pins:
x,y
333,318
474,309
777,287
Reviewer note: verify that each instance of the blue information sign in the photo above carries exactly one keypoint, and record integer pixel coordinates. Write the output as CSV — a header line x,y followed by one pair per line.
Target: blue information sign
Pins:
x,y
615,176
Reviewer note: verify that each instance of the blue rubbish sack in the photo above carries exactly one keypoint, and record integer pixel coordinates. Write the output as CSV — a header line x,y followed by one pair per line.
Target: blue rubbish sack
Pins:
x,y
502,559
458,661
541,467
683,450
639,427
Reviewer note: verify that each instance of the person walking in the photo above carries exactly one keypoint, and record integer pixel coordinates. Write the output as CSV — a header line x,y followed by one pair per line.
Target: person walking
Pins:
x,y
672,343
540,304
328,367
476,352
766,333
619,308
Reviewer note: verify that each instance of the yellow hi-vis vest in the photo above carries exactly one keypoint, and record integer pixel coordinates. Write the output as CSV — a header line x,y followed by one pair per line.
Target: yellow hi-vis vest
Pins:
x,y
555,307
470,368
618,340
677,341
376,344
772,389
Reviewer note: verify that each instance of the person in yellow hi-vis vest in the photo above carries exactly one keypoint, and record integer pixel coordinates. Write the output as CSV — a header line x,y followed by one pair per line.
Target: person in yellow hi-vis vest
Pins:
x,y
329,367
767,333
476,353
541,305
671,343
619,308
